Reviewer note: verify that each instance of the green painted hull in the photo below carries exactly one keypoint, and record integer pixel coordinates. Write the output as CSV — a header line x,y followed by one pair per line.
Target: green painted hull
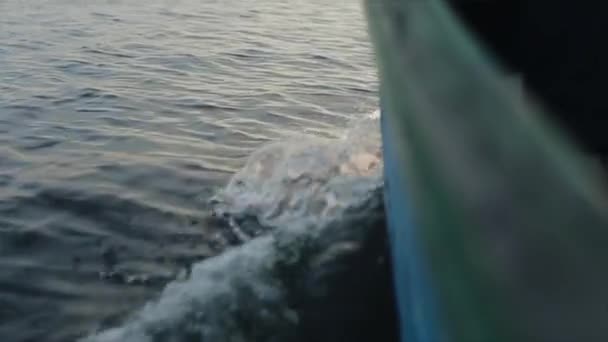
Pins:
x,y
498,226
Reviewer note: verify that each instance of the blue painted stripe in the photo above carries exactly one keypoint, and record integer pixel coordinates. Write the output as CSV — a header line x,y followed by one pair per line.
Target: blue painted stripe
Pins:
x,y
416,298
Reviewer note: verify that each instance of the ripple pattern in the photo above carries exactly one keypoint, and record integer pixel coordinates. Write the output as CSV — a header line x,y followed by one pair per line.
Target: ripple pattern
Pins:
x,y
119,119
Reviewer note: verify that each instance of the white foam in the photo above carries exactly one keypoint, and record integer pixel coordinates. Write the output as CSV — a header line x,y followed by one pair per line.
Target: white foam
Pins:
x,y
306,178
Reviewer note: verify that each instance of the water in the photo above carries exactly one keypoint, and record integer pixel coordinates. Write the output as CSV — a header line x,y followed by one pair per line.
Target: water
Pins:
x,y
189,170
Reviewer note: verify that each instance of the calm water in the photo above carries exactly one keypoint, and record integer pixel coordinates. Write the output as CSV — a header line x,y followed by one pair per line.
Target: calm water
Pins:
x,y
119,120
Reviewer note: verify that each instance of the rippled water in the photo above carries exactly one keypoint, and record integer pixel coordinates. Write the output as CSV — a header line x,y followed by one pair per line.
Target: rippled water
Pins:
x,y
121,119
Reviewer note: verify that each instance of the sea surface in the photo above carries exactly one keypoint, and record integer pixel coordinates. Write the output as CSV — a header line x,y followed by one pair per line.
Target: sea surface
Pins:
x,y
188,171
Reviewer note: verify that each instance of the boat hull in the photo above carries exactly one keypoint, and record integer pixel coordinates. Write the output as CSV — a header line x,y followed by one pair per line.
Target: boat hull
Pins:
x,y
497,225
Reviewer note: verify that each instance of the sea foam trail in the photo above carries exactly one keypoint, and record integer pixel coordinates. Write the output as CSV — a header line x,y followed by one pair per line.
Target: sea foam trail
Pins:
x,y
313,263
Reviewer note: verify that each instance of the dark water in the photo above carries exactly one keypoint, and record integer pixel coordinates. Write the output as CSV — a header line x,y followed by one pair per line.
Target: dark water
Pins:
x,y
119,120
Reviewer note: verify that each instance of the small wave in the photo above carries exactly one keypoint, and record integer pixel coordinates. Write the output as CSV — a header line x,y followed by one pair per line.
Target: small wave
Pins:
x,y
30,143
86,49
311,261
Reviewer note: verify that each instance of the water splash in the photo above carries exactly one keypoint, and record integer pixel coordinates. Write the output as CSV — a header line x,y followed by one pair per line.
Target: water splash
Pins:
x,y
316,205
307,178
